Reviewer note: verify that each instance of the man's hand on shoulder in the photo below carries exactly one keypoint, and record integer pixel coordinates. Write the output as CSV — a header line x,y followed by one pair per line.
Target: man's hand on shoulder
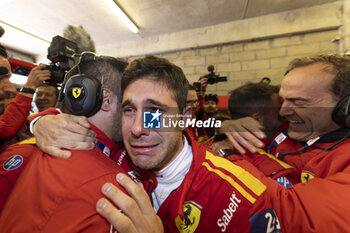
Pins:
x,y
244,133
54,132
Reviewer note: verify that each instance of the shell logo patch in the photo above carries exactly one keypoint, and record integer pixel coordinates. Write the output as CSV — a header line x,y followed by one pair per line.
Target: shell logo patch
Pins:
x,y
76,92
306,176
192,216
13,163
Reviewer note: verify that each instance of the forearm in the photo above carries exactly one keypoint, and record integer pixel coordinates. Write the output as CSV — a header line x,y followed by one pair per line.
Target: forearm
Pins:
x,y
14,116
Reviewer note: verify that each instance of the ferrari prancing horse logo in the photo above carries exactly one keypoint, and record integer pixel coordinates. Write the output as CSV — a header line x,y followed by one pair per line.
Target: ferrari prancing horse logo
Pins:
x,y
192,216
306,176
76,92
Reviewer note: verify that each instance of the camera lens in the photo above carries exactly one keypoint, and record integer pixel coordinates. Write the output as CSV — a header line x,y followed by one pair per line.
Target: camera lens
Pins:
x,y
211,80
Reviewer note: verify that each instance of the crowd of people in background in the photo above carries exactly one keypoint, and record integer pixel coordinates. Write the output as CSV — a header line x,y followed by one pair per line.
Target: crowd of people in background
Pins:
x,y
277,163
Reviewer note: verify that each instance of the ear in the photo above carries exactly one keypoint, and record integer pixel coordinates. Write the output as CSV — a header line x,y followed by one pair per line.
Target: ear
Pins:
x,y
258,116
108,100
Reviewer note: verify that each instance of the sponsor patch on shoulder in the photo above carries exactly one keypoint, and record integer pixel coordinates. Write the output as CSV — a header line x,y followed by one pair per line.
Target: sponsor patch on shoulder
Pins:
x,y
266,221
13,162
284,181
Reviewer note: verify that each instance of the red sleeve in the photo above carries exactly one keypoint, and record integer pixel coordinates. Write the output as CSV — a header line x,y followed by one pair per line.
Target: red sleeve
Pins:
x,y
321,205
49,111
266,163
14,116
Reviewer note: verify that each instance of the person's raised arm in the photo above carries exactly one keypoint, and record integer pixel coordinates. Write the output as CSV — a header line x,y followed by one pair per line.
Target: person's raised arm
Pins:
x,y
138,214
17,111
204,83
55,132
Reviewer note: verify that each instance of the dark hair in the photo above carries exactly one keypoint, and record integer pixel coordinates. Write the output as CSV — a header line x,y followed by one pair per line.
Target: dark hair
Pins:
x,y
213,97
108,68
159,69
339,66
3,52
250,98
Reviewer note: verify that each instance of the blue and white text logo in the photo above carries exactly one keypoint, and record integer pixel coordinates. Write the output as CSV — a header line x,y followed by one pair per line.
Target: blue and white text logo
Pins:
x,y
151,119
13,162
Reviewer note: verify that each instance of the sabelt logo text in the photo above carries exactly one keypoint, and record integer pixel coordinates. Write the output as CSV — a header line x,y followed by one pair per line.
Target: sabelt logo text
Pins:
x,y
228,212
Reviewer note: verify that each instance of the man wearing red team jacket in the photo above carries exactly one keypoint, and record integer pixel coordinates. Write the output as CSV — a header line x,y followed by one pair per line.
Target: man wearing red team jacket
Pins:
x,y
311,90
60,194
196,190
316,144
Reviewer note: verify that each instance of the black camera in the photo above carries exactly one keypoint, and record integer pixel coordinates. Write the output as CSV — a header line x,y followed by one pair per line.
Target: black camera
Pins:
x,y
60,53
213,78
197,86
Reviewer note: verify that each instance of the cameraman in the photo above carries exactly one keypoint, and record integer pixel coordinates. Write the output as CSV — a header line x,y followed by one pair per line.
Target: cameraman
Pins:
x,y
207,109
16,113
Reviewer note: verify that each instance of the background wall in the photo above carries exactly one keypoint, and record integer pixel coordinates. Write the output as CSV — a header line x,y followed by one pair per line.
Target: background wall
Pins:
x,y
248,50
345,29
252,60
